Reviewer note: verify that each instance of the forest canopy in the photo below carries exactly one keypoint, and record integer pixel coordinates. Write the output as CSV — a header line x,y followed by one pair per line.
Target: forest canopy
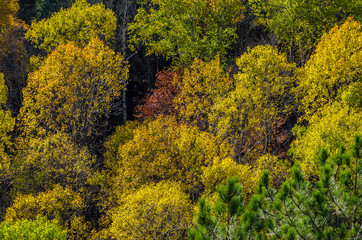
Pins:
x,y
186,119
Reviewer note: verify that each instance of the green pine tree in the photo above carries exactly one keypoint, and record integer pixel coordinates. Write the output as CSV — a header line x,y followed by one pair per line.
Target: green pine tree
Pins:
x,y
219,221
329,208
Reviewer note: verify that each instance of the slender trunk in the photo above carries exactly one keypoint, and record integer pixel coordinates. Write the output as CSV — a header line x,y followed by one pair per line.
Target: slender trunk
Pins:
x,y
124,105
291,47
124,52
266,138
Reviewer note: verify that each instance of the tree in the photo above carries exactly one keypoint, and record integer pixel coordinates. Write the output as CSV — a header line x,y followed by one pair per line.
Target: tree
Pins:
x,y
14,60
156,211
228,209
300,24
74,91
332,77
330,209
8,10
249,115
200,86
220,170
124,10
49,160
79,24
161,99
184,30
163,150
249,174
336,124
334,66
6,126
62,204
40,228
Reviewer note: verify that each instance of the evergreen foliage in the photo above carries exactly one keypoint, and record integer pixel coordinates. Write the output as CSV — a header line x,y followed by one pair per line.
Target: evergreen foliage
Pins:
x,y
221,220
328,209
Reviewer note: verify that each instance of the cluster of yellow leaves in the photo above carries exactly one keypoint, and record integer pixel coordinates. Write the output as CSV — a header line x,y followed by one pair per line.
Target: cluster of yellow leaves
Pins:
x,y
335,64
73,90
278,169
54,159
336,124
148,161
79,24
249,174
156,211
228,10
259,100
6,125
166,150
264,80
221,170
62,204
8,10
330,90
201,85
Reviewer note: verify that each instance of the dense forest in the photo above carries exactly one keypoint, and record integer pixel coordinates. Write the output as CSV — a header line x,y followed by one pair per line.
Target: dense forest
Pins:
x,y
180,119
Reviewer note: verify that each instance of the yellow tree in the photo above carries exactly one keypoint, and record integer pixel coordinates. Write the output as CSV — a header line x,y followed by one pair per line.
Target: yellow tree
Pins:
x,y
299,24
79,24
6,125
62,204
74,91
249,174
336,125
155,211
166,150
200,86
330,90
261,98
335,64
13,53
8,10
49,160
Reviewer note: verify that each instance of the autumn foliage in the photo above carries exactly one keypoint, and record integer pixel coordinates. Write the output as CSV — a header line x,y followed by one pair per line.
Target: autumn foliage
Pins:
x,y
252,130
161,99
74,91
78,24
